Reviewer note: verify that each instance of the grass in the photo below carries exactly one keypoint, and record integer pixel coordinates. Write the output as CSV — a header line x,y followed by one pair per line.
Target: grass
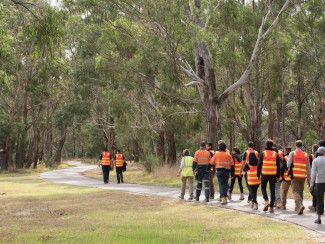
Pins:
x,y
33,211
166,176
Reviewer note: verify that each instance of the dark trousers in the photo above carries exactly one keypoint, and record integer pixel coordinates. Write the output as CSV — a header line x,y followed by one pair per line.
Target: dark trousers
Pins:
x,y
202,176
319,190
119,174
250,197
253,192
223,178
240,183
271,179
211,176
314,197
106,169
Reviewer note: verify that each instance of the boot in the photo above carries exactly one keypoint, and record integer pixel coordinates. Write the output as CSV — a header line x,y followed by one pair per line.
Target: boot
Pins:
x,y
242,197
229,196
255,206
271,210
283,207
207,199
181,197
312,209
219,199
279,205
190,198
318,220
252,205
301,210
223,200
266,206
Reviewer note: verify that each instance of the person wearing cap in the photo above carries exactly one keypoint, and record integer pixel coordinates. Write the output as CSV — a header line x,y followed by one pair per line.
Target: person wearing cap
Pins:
x,y
186,172
298,162
318,181
201,166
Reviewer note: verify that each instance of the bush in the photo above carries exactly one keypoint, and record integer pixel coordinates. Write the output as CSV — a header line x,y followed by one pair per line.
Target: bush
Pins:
x,y
150,161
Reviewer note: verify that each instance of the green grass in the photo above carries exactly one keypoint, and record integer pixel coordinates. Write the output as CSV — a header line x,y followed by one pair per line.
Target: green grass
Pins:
x,y
33,211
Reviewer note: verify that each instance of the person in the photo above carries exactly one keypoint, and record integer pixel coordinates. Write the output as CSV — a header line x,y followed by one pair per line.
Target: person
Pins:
x,y
209,148
312,156
120,166
286,179
268,171
317,182
105,161
186,171
253,182
279,181
244,159
223,162
298,162
201,166
236,173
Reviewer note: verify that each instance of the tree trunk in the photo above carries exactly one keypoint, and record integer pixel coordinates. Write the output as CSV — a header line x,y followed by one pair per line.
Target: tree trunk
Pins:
x,y
170,147
58,153
270,131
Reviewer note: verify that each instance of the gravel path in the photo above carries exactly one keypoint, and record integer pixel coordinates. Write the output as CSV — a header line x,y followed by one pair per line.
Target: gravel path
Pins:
x,y
72,176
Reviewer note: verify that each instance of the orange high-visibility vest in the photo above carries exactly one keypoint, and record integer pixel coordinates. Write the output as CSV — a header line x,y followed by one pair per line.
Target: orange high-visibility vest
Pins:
x,y
286,175
269,162
119,160
202,157
252,178
106,158
238,166
300,160
222,159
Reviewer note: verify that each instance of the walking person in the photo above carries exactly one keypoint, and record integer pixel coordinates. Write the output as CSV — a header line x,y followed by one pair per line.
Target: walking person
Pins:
x,y
312,156
279,181
120,166
223,162
250,167
105,161
317,182
268,171
201,166
236,173
186,172
212,171
298,160
245,158
286,179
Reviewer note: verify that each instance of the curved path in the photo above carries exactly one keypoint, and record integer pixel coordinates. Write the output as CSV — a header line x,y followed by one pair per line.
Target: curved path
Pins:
x,y
72,176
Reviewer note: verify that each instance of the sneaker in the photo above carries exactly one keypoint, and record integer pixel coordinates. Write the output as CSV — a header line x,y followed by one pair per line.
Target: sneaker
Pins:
x,y
301,210
181,197
190,198
266,206
318,221
224,201
312,209
197,199
271,210
229,196
242,197
255,207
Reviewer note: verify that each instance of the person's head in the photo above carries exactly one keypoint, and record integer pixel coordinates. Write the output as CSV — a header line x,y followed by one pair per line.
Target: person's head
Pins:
x,y
186,152
269,144
321,143
208,146
288,150
250,144
299,144
118,151
202,145
314,148
222,146
236,150
321,151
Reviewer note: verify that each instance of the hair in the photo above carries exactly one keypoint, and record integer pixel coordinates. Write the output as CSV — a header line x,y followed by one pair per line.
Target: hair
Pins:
x,y
250,144
299,143
202,144
209,144
222,146
186,152
236,150
321,143
314,148
269,143
118,150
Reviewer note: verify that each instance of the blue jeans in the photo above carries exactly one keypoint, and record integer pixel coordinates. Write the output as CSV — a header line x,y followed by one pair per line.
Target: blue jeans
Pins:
x,y
223,178
202,177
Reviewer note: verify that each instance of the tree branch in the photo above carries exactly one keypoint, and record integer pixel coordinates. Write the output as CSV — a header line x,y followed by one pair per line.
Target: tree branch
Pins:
x,y
24,5
260,38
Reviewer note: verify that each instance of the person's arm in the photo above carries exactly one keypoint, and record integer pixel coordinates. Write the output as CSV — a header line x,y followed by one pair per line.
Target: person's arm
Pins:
x,y
289,163
181,166
313,175
278,166
194,164
101,156
243,162
259,165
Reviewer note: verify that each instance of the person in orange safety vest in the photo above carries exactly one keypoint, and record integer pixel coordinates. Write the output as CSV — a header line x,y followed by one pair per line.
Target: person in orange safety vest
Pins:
x,y
119,165
105,162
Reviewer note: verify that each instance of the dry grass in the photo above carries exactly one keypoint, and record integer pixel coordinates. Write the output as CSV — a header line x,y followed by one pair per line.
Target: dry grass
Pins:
x,y
34,211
